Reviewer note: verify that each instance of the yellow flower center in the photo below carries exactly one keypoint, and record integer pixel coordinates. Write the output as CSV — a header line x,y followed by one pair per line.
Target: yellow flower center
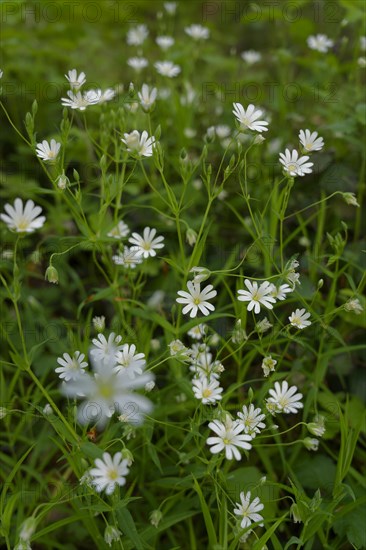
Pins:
x,y
292,167
112,474
106,390
207,392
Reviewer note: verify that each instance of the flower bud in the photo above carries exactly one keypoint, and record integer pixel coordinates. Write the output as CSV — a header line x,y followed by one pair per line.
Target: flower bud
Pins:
x,y
295,513
200,274
350,198
155,517
311,444
128,456
191,236
51,274
62,182
111,534
3,412
99,323
27,528
317,427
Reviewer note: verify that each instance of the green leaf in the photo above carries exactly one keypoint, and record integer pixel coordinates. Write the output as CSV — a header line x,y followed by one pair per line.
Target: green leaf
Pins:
x,y
206,515
127,526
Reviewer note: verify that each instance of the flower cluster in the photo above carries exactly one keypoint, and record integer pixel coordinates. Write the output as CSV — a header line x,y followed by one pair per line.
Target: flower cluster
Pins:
x,y
81,100
117,371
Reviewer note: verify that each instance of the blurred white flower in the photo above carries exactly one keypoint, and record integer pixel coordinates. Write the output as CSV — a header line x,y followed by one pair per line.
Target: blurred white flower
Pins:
x,y
354,305
320,42
147,97
165,42
251,56
197,32
170,7
71,367
198,331
75,80
129,258
119,231
105,350
137,35
167,68
137,63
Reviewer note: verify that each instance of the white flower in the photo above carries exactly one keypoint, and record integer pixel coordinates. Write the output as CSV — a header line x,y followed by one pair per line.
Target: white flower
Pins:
x,y
263,325
109,473
23,220
196,299
78,100
146,244
48,151
268,365
311,443
320,42
47,410
361,62
71,367
209,391
251,56
203,365
198,331
298,318
222,131
284,399
106,350
129,361
247,510
75,80
137,35
177,348
165,42
311,141
251,418
354,305
170,7
257,296
99,96
279,293
197,32
228,437
137,63
248,117
147,97
106,392
140,146
363,43
1,73
121,230
129,258
294,164
167,68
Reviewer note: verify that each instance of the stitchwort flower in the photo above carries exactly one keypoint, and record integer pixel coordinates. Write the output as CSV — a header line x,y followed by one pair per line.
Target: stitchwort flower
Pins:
x,y
196,299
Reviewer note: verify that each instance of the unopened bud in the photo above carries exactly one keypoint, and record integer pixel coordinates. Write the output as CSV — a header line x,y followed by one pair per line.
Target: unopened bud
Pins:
x,y
51,274
155,517
191,236
111,534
